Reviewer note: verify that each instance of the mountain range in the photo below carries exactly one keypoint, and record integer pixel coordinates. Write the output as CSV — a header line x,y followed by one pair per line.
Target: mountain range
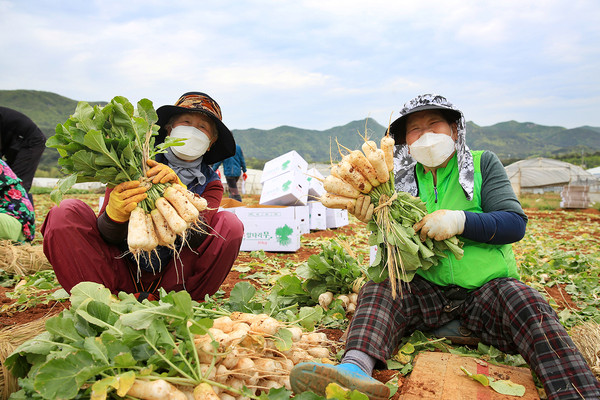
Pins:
x,y
510,140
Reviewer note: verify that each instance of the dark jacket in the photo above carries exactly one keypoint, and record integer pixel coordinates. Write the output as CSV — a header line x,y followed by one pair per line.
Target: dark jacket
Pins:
x,y
21,143
233,166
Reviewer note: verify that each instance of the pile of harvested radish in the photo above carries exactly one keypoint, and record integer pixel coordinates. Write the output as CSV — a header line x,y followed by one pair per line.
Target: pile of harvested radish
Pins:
x,y
254,351
176,211
349,301
400,252
113,144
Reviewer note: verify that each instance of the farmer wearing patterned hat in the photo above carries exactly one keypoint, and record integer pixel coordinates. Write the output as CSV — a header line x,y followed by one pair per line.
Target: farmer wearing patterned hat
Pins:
x,y
478,297
97,246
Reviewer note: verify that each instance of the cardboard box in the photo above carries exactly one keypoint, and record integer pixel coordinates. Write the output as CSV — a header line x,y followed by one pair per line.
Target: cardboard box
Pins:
x,y
315,186
317,215
275,229
229,204
287,162
302,214
336,218
287,189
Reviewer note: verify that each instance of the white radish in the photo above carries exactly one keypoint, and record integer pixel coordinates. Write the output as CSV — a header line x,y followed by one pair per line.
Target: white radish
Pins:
x,y
165,235
334,201
223,323
244,364
387,145
264,365
318,352
353,176
344,299
325,299
199,202
377,159
204,368
231,359
222,374
335,185
357,159
151,234
204,391
315,337
267,326
184,207
288,364
155,390
296,333
137,232
176,223
297,355
218,334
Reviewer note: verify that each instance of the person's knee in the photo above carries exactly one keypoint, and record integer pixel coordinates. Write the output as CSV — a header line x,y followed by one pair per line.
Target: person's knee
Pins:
x,y
229,225
68,210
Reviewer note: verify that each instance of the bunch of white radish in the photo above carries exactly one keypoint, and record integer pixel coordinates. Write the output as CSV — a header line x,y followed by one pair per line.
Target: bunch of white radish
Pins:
x,y
359,172
400,251
175,212
113,144
349,301
242,350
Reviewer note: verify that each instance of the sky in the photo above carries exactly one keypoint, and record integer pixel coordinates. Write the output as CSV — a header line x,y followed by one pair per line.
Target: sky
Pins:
x,y
314,64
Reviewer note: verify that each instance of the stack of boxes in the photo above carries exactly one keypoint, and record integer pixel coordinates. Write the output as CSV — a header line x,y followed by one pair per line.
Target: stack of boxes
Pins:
x,y
288,207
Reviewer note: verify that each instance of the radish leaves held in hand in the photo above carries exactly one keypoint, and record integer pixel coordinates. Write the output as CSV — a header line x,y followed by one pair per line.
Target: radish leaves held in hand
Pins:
x,y
112,145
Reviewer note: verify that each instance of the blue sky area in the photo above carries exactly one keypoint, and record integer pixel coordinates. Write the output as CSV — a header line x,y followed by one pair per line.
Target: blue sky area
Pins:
x,y
314,64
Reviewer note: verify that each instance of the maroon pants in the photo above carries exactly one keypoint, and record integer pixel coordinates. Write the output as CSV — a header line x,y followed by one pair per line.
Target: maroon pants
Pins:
x,y
77,252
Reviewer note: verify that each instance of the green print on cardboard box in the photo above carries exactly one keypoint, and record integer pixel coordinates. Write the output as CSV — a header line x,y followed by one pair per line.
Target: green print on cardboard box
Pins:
x,y
283,234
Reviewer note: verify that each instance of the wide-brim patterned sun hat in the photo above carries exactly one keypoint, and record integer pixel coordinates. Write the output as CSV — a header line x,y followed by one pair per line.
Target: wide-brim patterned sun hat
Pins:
x,y
224,147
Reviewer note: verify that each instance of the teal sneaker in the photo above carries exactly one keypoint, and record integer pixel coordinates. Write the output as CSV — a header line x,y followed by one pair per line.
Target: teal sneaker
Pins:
x,y
314,377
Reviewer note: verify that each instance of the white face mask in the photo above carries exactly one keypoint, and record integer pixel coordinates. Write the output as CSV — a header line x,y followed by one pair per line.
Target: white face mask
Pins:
x,y
432,149
196,144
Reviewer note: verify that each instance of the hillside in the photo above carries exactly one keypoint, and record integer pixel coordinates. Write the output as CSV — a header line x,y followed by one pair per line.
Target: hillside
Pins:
x,y
511,140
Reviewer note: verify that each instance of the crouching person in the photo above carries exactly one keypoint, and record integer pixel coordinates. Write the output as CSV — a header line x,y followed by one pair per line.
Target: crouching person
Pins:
x,y
466,193
84,247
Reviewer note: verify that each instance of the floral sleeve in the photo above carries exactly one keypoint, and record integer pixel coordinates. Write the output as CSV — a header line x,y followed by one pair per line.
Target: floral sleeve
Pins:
x,y
14,200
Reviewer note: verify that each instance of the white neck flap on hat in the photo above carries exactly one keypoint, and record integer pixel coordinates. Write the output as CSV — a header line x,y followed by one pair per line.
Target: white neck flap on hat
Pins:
x,y
404,164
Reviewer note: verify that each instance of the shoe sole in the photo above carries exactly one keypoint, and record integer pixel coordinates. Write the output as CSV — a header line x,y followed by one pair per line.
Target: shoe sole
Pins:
x,y
315,378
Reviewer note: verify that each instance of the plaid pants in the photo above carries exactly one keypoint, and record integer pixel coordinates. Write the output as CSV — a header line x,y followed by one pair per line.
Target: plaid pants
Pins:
x,y
504,313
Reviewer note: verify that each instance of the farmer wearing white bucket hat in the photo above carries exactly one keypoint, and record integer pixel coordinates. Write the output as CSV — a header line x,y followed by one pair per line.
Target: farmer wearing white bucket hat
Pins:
x,y
83,247
467,193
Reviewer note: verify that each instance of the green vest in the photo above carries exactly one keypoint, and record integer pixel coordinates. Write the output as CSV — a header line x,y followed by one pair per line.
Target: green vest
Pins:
x,y
481,262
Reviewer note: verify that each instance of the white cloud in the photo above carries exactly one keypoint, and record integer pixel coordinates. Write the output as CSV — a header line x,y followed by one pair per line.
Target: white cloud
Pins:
x,y
314,63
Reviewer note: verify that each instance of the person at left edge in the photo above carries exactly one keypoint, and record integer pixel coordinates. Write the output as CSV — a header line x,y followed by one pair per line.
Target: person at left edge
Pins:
x,y
22,144
83,247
